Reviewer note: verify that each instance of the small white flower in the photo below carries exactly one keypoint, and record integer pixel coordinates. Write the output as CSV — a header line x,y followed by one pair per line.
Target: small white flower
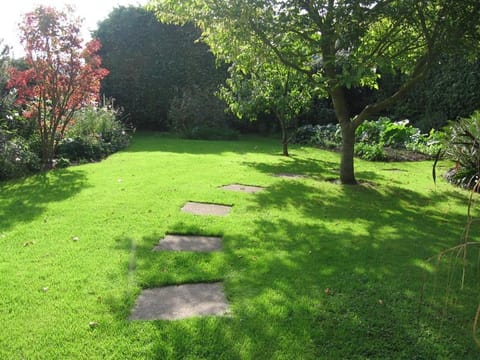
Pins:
x,y
17,159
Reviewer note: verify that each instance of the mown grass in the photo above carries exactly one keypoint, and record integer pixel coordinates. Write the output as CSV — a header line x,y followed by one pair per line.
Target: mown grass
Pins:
x,y
312,270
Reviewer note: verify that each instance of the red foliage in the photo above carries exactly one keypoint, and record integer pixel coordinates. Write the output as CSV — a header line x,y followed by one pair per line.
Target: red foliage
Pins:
x,y
62,77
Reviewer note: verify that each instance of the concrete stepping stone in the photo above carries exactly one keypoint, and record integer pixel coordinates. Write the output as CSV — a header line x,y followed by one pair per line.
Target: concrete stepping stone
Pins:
x,y
189,243
251,189
289,176
206,209
180,302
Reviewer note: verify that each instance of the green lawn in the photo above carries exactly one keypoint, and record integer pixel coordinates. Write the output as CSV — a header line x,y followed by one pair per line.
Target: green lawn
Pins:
x,y
283,248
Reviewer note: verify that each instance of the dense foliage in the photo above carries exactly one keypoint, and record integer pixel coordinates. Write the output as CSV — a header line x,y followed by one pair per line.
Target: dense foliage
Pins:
x,y
462,145
267,86
450,91
94,134
196,113
150,63
378,140
62,76
341,45
17,141
48,113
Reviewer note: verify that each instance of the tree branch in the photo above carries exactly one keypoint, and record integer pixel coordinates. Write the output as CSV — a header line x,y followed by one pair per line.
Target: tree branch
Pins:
x,y
369,110
263,38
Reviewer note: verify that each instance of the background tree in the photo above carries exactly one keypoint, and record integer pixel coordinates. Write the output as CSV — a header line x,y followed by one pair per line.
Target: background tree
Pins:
x,y
62,76
255,87
341,44
150,63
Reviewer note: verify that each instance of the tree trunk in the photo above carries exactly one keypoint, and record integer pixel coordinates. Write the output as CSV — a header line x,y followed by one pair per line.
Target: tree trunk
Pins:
x,y
45,153
347,173
285,148
342,112
283,126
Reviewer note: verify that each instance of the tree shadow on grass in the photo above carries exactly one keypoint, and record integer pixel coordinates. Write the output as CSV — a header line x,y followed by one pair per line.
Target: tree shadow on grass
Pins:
x,y
308,167
158,142
24,200
368,277
341,280
316,169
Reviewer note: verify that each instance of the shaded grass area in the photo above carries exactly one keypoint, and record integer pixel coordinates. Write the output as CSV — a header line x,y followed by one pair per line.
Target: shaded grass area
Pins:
x,y
311,269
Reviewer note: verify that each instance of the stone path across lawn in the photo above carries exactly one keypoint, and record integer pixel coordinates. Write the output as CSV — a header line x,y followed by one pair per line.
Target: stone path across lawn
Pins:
x,y
180,302
189,243
243,188
206,209
188,300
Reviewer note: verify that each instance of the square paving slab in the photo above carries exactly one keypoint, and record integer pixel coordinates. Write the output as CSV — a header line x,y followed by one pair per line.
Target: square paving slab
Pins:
x,y
206,209
180,302
189,243
243,188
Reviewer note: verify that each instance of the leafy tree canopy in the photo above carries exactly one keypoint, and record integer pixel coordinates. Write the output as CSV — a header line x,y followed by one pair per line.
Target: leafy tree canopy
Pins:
x,y
341,44
62,76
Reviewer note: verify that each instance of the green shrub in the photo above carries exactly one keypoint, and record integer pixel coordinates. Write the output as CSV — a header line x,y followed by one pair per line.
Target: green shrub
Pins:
x,y
386,132
62,163
371,152
370,132
81,148
327,136
95,133
428,144
462,145
372,137
196,113
16,158
304,134
396,134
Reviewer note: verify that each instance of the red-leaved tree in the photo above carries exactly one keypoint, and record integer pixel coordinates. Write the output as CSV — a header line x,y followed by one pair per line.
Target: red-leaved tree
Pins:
x,y
62,76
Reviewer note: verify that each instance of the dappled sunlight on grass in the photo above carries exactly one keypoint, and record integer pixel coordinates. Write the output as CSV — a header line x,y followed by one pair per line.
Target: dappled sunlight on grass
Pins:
x,y
311,269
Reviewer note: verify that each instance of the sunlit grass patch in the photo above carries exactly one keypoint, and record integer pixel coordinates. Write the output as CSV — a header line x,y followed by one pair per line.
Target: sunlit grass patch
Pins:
x,y
310,269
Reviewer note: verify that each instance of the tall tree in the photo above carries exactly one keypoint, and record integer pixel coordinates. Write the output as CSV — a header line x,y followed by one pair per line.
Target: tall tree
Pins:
x,y
150,62
342,44
62,76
